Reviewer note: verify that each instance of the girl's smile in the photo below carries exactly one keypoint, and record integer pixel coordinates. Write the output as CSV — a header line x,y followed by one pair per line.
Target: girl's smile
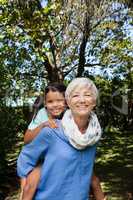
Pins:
x,y
55,103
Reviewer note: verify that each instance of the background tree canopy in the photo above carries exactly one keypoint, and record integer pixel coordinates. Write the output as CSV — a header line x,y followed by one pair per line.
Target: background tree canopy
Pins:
x,y
44,41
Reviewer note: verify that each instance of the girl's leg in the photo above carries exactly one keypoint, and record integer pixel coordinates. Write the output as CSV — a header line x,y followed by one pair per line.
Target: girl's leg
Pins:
x,y
22,185
96,188
32,181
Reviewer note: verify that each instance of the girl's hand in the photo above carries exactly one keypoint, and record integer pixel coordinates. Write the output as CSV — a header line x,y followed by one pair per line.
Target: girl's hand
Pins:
x,y
50,123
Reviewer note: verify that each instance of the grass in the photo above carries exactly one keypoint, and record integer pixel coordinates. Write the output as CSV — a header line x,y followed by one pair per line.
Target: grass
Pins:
x,y
114,166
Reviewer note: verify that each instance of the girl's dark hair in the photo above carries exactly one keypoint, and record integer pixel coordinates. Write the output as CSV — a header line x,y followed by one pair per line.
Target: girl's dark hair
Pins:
x,y
55,87
39,102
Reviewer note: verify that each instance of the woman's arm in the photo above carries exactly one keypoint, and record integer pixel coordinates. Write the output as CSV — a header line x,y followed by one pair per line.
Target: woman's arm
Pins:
x,y
31,152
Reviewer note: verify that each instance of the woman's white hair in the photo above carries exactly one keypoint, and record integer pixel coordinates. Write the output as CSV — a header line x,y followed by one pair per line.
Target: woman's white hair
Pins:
x,y
79,83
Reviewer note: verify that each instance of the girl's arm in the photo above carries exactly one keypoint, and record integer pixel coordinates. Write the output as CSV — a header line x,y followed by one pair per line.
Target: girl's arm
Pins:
x,y
31,134
35,125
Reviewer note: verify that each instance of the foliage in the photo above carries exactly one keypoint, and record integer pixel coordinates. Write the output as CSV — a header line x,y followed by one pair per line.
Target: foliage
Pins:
x,y
63,34
12,126
58,42
63,39
10,132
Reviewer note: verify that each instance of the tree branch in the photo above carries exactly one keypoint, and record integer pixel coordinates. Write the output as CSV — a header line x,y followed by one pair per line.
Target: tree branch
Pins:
x,y
71,69
102,19
94,64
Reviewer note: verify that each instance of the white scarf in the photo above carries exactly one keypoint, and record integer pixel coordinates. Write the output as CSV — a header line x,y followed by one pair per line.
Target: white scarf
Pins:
x,y
75,137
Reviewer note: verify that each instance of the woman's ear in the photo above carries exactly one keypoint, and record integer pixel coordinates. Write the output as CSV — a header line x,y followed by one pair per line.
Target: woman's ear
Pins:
x,y
68,103
94,104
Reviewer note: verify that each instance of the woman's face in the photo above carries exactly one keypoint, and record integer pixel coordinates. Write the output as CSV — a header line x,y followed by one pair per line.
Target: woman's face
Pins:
x,y
81,101
55,103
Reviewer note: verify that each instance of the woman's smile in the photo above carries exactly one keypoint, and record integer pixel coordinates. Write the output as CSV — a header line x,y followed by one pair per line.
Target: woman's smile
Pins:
x,y
82,101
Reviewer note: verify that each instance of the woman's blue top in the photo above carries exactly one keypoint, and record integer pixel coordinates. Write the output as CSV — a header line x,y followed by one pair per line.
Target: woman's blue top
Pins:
x,y
66,172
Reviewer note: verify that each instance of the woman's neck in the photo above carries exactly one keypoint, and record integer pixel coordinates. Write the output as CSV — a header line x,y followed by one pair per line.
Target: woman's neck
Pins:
x,y
82,123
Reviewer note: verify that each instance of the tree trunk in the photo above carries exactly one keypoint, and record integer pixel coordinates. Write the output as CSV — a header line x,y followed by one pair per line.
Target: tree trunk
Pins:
x,y
53,74
86,34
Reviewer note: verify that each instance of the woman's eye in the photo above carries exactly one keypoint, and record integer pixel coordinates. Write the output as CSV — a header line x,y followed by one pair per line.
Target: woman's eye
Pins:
x,y
88,95
75,95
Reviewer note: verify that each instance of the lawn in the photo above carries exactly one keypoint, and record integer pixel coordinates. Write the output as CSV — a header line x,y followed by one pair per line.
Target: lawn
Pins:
x,y
114,166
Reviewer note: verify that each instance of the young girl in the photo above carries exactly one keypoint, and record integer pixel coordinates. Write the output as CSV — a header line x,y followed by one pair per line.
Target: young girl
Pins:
x,y
55,106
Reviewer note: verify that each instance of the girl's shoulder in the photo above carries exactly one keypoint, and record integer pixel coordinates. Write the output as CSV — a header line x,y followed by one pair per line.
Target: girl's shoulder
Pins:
x,y
42,111
39,118
42,115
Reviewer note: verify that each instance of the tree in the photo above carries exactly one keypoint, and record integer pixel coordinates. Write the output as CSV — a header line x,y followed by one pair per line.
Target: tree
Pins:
x,y
60,33
62,40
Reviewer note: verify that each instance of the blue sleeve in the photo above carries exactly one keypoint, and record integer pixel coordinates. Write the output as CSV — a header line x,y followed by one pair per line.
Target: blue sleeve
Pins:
x,y
31,152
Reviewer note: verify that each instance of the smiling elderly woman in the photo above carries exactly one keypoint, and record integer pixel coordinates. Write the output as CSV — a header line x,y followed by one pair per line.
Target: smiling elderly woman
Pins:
x,y
69,150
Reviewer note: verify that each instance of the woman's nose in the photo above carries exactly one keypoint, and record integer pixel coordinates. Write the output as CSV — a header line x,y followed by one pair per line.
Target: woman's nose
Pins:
x,y
81,98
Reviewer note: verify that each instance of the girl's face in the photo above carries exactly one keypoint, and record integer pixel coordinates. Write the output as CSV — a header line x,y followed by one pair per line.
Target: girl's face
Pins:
x,y
55,103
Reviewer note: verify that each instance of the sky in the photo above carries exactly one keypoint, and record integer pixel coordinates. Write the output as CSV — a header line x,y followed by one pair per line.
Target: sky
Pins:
x,y
44,3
